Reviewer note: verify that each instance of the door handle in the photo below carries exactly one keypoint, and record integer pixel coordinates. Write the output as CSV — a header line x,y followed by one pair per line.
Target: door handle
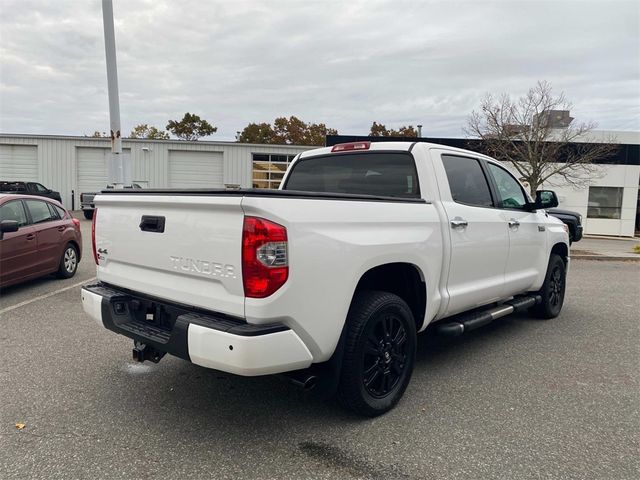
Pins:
x,y
459,223
31,236
61,228
151,223
513,223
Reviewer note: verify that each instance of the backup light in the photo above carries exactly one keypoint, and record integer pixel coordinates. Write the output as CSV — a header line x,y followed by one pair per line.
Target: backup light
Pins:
x,y
346,147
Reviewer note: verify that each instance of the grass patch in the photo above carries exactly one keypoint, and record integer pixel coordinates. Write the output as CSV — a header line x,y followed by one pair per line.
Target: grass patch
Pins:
x,y
636,248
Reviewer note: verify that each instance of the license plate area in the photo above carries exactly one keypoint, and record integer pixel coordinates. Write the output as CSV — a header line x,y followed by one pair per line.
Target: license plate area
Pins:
x,y
144,312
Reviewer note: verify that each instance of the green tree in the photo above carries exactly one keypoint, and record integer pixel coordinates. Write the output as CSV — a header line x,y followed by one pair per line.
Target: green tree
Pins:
x,y
536,135
145,131
286,131
191,127
380,130
257,133
99,134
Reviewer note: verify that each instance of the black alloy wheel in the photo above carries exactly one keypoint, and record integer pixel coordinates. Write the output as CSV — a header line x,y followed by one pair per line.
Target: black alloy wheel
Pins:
x,y
553,289
379,353
385,355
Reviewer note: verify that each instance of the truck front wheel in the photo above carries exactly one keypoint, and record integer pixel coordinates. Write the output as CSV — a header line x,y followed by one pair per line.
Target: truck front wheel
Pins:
x,y
379,354
553,288
88,214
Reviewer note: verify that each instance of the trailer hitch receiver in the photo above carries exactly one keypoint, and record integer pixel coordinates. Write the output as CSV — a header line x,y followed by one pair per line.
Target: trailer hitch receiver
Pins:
x,y
142,352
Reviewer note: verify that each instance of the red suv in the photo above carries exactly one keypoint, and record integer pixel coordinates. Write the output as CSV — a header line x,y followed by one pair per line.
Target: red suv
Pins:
x,y
37,237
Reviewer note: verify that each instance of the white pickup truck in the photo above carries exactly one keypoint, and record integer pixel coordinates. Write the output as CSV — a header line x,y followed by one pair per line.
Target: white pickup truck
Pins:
x,y
329,278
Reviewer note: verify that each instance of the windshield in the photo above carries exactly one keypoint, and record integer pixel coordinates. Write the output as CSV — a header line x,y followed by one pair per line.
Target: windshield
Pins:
x,y
389,174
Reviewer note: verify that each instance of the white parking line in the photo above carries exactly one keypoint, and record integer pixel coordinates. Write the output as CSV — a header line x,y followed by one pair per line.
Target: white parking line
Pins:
x,y
46,295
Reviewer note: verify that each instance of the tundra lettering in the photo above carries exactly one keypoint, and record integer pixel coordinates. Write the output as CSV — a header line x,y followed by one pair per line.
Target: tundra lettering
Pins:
x,y
202,266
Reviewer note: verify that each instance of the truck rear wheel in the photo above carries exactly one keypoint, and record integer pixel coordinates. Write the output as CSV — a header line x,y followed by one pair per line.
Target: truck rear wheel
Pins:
x,y
379,354
553,288
88,214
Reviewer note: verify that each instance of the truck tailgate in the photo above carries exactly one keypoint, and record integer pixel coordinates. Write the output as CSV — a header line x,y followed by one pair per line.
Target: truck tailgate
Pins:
x,y
181,248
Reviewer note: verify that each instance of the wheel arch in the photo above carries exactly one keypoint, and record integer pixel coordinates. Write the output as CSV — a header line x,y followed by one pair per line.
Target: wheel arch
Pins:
x,y
562,250
77,247
400,278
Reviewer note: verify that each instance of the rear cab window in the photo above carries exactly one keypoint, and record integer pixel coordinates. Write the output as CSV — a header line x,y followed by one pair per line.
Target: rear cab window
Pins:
x,y
12,187
387,174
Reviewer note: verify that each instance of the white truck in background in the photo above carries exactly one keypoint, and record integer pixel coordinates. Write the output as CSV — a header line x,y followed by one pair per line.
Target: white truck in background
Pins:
x,y
330,278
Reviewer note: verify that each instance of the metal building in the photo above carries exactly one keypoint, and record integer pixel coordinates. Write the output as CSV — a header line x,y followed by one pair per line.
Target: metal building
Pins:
x,y
72,165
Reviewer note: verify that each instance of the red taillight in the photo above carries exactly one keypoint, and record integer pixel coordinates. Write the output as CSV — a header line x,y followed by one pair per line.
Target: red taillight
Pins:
x,y
76,223
345,147
93,236
265,263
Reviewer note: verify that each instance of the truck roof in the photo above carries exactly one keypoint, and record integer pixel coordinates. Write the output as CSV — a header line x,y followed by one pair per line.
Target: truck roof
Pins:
x,y
393,146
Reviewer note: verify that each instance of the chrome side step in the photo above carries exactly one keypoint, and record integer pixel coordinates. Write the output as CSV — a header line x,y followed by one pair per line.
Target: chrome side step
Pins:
x,y
470,321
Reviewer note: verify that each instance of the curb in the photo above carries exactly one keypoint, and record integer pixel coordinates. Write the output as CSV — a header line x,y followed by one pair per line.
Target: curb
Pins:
x,y
605,258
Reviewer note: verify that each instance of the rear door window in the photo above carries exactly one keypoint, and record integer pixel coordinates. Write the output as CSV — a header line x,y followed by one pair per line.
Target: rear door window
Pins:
x,y
389,174
39,211
467,182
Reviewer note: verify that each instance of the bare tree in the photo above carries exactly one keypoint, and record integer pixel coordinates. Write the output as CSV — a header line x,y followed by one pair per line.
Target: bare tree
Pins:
x,y
536,135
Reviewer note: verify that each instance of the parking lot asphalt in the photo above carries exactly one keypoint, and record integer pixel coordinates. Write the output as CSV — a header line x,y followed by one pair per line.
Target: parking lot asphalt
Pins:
x,y
518,399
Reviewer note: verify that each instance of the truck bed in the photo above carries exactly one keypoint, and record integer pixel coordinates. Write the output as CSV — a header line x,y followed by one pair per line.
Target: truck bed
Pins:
x,y
255,192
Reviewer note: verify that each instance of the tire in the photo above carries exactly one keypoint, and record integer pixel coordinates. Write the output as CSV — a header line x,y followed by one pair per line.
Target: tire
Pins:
x,y
68,262
553,289
88,214
379,355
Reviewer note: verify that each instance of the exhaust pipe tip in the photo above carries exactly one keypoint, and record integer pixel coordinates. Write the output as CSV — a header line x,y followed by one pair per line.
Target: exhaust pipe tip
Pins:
x,y
310,383
304,382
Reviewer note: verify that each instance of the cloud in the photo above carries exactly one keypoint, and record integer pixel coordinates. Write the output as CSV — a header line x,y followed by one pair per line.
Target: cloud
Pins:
x,y
344,64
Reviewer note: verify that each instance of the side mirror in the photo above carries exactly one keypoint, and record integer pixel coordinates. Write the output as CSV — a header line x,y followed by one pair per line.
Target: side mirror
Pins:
x,y
7,226
546,199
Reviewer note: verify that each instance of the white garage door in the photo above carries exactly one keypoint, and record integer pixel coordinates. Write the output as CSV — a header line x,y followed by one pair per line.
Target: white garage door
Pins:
x,y
93,170
19,162
195,169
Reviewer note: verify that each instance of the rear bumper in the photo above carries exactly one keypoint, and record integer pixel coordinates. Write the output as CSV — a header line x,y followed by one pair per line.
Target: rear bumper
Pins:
x,y
207,339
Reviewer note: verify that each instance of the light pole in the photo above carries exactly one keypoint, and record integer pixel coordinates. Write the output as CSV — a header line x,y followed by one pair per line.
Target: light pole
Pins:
x,y
119,165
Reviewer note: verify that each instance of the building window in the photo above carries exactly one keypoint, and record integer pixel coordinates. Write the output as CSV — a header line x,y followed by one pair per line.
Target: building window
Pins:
x,y
269,168
605,202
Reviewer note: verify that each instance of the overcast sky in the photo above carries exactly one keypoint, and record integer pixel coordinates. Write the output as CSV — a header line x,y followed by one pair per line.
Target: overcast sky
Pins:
x,y
342,63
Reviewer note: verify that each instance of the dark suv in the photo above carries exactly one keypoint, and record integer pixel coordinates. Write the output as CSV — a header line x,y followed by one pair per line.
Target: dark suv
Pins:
x,y
573,220
28,188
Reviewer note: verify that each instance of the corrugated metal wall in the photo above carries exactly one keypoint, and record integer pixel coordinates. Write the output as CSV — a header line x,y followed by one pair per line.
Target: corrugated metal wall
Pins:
x,y
57,159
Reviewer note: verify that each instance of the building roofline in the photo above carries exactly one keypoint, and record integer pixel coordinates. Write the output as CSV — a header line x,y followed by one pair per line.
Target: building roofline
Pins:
x,y
147,140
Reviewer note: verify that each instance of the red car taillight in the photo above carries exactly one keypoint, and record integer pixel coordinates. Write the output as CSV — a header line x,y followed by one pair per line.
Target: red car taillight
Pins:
x,y
76,223
93,236
265,262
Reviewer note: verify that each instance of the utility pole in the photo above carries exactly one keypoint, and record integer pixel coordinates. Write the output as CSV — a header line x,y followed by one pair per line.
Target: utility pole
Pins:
x,y
419,131
119,164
